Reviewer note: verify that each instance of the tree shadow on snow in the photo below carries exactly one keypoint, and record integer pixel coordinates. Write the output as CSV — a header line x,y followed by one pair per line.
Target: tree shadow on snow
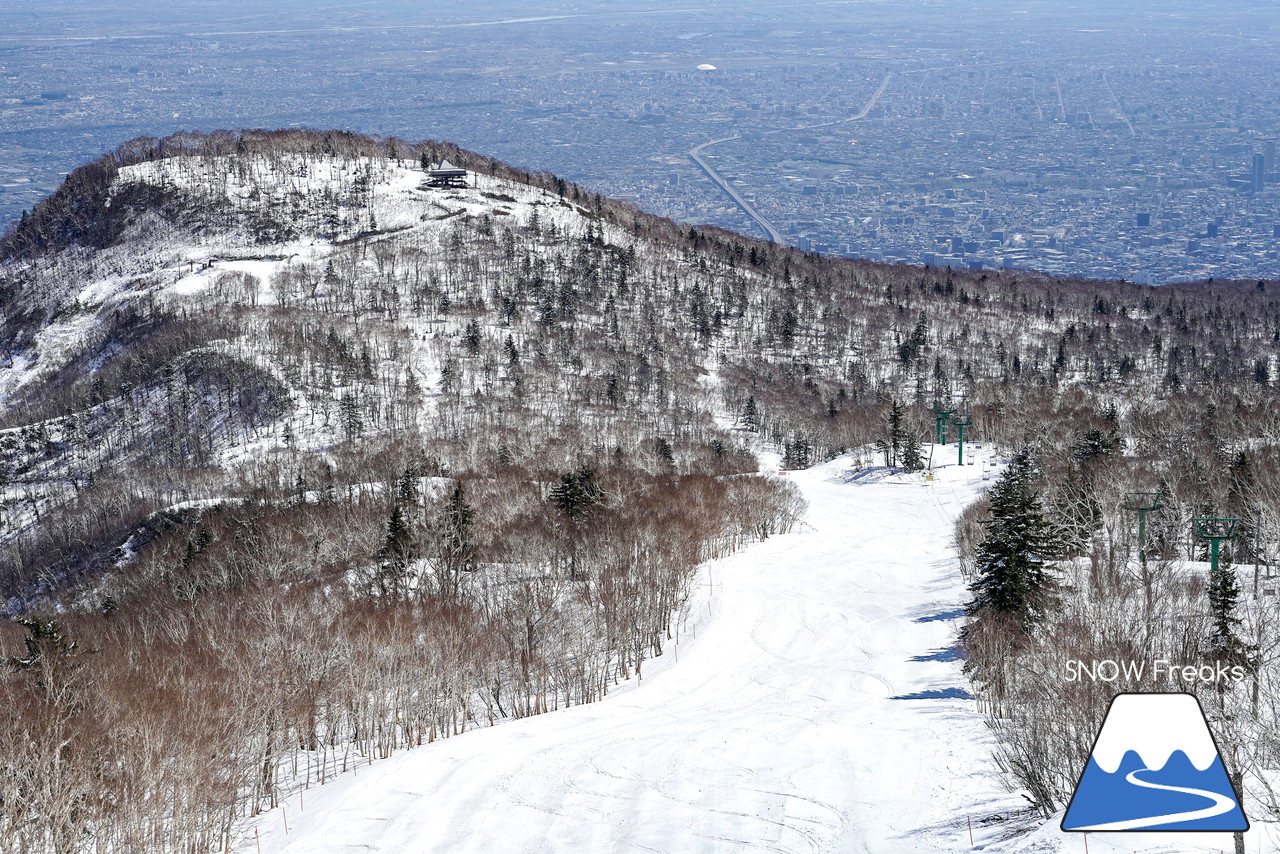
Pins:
x,y
870,474
940,694
950,653
941,616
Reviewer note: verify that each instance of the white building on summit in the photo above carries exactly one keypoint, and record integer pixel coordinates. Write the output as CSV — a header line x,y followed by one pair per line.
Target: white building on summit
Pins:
x,y
445,174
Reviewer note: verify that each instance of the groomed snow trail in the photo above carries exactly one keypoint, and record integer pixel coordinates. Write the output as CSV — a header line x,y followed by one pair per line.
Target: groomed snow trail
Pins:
x,y
777,726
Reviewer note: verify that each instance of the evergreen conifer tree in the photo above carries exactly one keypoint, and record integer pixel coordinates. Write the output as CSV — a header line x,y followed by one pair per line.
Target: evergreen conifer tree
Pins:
x,y
471,338
51,661
666,454
797,453
891,445
412,388
576,493
455,528
577,496
397,553
1240,504
512,352
407,486
455,546
1013,576
912,455
1224,595
349,412
397,541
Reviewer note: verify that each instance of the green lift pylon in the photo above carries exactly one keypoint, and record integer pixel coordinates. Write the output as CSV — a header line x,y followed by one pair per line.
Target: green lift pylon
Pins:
x,y
940,415
1142,503
961,422
1215,530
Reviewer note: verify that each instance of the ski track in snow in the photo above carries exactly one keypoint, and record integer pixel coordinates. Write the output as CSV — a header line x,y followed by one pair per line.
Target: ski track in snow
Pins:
x,y
771,728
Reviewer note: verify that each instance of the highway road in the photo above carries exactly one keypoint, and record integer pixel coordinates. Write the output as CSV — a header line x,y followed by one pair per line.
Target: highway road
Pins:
x,y
695,154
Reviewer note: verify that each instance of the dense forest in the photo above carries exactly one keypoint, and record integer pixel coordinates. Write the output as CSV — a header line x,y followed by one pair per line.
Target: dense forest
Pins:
x,y
302,462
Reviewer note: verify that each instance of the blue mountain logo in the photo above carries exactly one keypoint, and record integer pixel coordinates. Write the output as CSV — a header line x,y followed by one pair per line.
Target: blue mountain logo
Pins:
x,y
1154,766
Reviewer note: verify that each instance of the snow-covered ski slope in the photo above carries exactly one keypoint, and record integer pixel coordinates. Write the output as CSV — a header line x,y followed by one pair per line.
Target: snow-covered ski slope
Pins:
x,y
813,705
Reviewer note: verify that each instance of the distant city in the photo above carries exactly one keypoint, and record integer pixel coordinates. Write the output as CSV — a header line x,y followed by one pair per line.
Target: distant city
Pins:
x,y
1090,139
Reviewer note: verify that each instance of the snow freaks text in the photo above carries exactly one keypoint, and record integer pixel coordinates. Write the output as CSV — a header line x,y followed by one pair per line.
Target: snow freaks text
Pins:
x,y
1110,670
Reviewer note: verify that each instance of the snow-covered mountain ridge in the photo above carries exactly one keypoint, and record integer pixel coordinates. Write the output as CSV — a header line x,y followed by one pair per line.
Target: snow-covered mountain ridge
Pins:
x,y
321,203
393,460
396,462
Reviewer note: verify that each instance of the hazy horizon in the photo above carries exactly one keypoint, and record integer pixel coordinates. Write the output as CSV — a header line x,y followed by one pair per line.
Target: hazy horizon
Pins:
x,y
1048,125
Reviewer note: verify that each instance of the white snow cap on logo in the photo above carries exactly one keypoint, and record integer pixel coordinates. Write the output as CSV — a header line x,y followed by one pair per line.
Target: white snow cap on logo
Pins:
x,y
1154,725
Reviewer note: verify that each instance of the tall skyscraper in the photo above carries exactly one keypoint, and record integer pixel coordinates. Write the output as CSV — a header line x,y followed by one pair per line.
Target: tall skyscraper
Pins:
x,y
1269,156
1258,173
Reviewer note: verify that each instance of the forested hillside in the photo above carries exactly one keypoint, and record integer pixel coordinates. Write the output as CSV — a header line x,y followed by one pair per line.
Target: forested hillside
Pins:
x,y
303,461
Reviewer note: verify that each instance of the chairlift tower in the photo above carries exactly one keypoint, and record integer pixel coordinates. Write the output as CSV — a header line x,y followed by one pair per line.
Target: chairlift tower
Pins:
x,y
1142,503
1215,530
961,422
940,415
